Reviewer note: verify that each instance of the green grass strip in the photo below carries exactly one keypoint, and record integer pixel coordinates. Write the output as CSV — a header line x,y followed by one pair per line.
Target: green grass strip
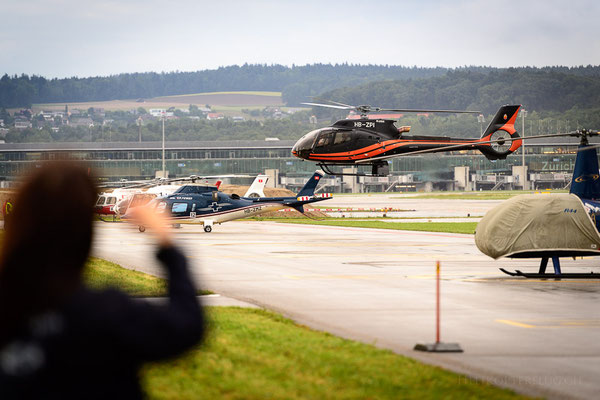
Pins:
x,y
100,274
255,354
450,227
487,195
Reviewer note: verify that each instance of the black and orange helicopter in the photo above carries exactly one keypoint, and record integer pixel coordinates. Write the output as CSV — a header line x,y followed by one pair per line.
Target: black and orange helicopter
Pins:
x,y
371,141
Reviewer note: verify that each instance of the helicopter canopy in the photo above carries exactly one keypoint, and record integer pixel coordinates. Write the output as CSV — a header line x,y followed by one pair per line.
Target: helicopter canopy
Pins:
x,y
529,224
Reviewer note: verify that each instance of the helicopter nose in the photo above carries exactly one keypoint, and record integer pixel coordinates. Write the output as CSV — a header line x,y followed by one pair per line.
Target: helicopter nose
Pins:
x,y
302,148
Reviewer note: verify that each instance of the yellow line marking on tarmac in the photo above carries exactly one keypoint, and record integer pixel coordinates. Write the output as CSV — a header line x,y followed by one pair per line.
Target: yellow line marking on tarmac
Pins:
x,y
547,323
514,323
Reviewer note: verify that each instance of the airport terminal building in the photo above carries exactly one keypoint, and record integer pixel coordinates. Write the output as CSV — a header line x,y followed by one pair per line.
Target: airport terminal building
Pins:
x,y
549,164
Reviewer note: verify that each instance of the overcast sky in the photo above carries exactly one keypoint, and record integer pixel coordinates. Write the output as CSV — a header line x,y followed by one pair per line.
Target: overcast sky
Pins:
x,y
62,38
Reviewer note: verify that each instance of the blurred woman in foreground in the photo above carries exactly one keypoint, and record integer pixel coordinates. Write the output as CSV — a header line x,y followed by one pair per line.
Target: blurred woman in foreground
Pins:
x,y
60,339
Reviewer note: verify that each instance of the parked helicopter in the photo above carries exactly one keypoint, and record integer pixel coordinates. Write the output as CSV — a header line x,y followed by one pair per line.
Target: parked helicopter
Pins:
x,y
208,206
549,226
365,141
141,198
123,191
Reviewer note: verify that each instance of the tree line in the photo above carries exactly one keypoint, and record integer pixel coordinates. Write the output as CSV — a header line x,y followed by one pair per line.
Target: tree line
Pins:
x,y
539,90
297,83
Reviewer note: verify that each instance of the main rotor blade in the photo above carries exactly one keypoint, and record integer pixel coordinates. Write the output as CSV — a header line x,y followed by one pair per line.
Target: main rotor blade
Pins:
x,y
340,104
330,106
457,146
409,110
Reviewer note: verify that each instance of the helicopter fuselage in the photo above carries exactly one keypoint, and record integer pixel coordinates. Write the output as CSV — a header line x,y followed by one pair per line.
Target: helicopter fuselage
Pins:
x,y
350,141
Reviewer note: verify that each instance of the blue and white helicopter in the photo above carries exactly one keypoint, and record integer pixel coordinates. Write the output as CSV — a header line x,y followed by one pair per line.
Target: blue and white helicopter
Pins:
x,y
207,206
549,226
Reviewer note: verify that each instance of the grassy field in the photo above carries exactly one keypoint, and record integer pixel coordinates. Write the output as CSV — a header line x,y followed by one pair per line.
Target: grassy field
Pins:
x,y
218,100
254,93
450,227
256,354
101,273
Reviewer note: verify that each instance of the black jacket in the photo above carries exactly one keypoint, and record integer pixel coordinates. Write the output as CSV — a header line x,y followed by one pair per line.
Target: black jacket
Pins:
x,y
95,345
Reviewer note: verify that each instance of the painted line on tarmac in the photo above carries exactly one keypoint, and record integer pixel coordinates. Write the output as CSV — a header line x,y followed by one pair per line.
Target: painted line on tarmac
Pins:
x,y
514,323
549,323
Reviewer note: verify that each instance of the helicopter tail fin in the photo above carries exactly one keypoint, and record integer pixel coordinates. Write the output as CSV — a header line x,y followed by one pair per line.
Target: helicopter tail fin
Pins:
x,y
311,185
585,183
256,189
501,127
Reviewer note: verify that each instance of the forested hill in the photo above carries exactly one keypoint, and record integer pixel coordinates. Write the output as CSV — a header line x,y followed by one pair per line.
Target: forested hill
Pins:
x,y
297,83
554,87
549,89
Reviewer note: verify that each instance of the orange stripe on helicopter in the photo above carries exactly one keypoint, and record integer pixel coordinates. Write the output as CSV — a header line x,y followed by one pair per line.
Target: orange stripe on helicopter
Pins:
x,y
384,147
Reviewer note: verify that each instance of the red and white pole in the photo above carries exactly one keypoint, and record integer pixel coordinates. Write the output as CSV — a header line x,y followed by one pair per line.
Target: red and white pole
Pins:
x,y
438,346
437,305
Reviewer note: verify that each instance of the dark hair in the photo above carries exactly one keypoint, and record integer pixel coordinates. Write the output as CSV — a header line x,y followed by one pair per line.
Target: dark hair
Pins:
x,y
46,243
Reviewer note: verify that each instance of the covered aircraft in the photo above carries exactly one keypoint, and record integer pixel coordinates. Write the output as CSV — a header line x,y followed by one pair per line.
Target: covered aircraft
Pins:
x,y
549,226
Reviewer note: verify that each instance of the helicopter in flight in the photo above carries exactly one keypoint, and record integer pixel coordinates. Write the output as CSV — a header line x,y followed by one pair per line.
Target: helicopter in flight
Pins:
x,y
371,141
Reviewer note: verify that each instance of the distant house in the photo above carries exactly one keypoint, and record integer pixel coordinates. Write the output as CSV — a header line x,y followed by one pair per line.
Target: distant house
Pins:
x,y
157,112
238,119
205,110
213,116
97,110
86,122
22,124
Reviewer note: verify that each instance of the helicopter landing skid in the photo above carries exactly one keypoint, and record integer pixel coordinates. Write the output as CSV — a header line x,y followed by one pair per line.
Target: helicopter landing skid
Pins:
x,y
575,275
377,169
557,271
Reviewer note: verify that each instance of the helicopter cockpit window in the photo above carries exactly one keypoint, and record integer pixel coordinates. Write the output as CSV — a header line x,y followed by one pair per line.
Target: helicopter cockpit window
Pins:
x,y
325,138
341,137
179,207
161,206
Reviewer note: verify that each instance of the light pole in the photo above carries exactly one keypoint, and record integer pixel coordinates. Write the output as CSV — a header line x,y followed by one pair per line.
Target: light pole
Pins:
x,y
139,123
163,145
523,115
481,120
